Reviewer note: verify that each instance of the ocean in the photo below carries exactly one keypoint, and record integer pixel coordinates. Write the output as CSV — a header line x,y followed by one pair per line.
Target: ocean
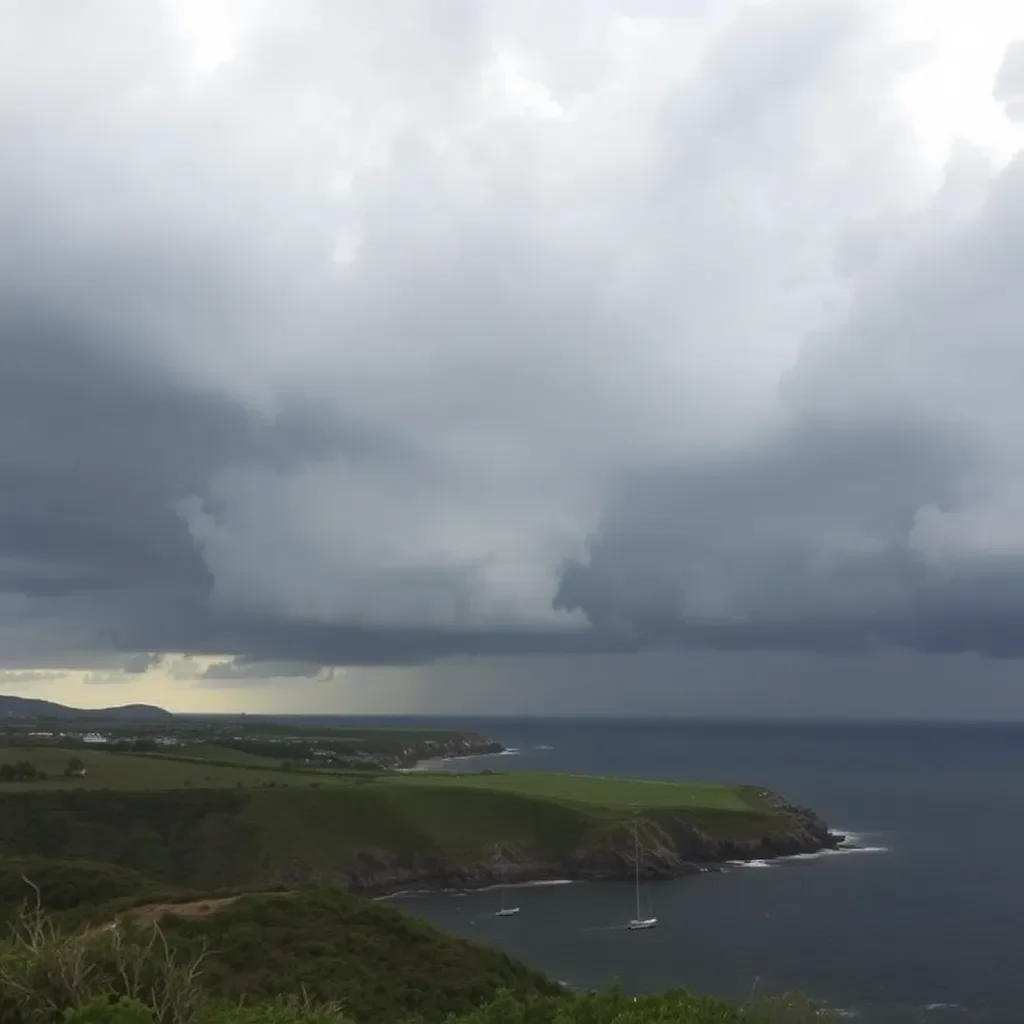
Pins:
x,y
926,924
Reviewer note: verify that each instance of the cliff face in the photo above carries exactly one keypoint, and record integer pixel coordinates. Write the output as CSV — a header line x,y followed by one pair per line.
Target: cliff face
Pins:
x,y
671,847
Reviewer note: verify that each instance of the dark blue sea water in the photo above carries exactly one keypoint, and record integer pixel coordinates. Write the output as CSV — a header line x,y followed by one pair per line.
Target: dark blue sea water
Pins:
x,y
929,927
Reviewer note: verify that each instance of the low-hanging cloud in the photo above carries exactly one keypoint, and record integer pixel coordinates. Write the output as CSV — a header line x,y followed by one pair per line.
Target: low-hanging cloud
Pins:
x,y
324,343
246,668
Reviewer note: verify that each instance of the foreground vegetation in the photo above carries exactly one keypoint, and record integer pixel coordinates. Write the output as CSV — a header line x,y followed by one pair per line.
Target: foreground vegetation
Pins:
x,y
301,957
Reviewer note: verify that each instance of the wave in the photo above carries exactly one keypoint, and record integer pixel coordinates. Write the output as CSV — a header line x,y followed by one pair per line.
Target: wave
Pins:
x,y
537,884
854,843
430,764
461,892
840,851
543,746
850,1013
507,752
856,838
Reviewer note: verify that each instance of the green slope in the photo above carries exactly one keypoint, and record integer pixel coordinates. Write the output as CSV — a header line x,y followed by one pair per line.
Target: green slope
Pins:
x,y
315,831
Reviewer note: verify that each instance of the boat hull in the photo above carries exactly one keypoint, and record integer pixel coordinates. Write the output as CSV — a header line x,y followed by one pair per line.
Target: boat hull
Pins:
x,y
637,926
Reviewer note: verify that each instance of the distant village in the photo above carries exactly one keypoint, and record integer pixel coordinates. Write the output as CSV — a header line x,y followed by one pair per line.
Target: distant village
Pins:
x,y
100,738
345,749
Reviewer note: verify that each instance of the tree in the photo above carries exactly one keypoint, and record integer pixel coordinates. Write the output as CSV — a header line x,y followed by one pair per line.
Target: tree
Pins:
x,y
75,765
20,771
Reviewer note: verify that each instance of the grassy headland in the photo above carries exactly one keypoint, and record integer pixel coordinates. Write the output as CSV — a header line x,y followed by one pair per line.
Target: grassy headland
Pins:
x,y
208,824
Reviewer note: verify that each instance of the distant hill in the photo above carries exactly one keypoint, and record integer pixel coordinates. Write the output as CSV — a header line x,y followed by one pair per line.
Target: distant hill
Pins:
x,y
25,707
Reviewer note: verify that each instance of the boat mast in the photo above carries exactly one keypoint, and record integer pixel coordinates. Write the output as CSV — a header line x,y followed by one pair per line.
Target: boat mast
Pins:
x,y
501,876
636,860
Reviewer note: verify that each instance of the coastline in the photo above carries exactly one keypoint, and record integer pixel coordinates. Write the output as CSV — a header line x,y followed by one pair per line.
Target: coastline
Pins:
x,y
383,881
844,846
432,763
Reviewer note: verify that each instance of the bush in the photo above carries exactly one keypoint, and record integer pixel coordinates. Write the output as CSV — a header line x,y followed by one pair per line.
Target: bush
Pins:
x,y
20,771
47,976
103,1011
280,1011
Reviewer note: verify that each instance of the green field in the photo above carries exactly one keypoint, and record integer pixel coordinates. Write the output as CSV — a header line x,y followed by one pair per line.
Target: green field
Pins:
x,y
106,770
200,823
216,753
211,766
250,835
616,794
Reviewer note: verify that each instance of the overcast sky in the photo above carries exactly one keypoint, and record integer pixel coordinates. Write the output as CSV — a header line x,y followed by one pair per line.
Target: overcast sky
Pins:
x,y
617,355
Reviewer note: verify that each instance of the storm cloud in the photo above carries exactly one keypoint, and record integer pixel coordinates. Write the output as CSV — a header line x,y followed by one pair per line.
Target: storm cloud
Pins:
x,y
336,333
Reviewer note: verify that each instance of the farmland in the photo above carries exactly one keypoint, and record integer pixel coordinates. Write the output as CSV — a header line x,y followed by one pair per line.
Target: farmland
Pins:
x,y
108,770
227,768
612,793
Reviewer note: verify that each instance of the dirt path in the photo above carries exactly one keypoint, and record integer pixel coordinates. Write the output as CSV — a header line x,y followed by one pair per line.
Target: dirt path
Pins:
x,y
152,913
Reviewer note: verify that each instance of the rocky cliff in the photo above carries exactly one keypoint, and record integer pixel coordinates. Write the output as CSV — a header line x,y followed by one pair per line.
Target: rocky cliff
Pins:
x,y
671,846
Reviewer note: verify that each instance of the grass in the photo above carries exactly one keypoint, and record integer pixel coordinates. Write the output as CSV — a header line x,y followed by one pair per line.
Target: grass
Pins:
x,y
219,754
217,837
203,824
214,766
213,837
107,770
237,825
594,791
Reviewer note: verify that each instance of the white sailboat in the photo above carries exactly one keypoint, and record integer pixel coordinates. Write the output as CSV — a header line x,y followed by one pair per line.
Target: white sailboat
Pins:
x,y
505,911
639,923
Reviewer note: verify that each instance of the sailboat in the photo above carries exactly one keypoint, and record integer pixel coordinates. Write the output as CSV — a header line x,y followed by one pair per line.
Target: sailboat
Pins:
x,y
639,923
505,911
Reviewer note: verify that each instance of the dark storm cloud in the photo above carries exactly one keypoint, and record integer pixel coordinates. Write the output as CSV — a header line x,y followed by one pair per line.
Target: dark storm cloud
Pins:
x,y
95,452
326,346
887,512
276,643
252,668
801,543
137,664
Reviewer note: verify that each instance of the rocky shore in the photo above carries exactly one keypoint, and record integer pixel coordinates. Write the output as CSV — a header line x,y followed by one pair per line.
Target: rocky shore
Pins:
x,y
671,847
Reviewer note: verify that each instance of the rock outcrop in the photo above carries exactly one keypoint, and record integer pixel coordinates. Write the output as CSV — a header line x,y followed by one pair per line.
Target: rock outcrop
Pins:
x,y
672,846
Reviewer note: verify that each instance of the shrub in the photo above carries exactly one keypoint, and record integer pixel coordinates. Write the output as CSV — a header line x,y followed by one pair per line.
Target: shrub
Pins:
x,y
47,975
103,1011
292,1010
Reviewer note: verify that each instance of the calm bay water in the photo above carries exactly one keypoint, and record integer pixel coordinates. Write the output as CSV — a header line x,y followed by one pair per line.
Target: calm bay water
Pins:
x,y
929,927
